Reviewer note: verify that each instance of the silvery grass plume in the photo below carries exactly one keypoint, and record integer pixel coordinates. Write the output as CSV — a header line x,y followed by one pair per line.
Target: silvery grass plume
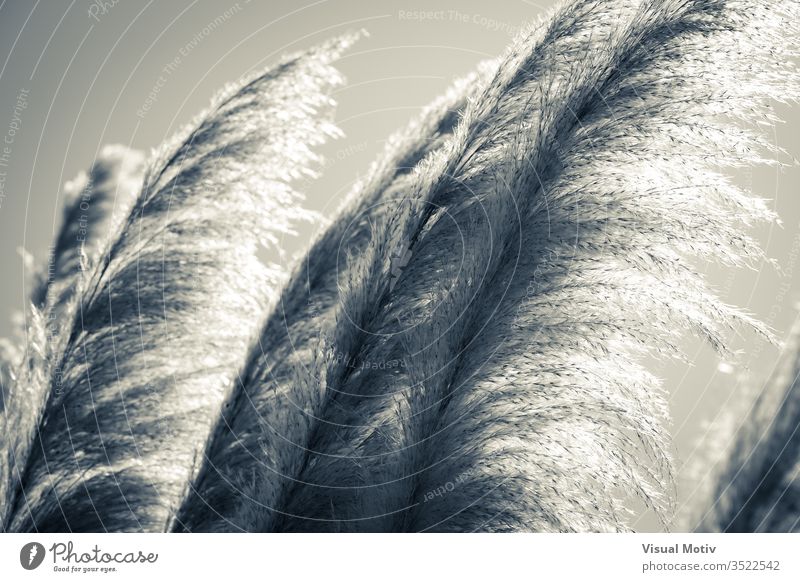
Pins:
x,y
161,323
259,444
10,355
758,487
95,203
548,248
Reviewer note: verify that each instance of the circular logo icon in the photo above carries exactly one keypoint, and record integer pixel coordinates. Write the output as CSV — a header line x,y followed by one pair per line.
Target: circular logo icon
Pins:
x,y
31,555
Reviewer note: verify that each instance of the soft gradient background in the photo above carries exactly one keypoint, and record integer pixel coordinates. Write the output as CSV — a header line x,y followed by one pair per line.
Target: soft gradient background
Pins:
x,y
88,68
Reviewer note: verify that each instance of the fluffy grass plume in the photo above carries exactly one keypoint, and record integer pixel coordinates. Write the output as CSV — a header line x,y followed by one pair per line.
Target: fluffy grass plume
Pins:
x,y
259,443
461,350
94,205
10,356
161,324
24,390
550,246
758,487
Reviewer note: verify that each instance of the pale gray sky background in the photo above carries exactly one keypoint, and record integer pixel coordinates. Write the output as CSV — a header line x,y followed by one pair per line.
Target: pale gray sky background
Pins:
x,y
86,68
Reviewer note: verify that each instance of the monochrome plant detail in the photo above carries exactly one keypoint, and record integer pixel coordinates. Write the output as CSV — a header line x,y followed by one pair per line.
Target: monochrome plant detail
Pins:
x,y
520,250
